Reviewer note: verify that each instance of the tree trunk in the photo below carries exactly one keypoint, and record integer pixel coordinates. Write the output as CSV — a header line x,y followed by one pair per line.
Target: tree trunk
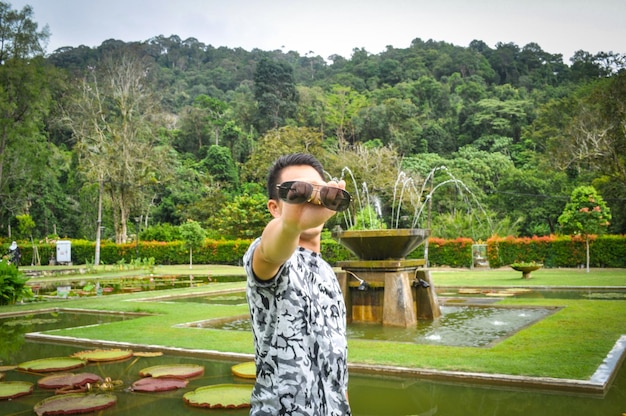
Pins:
x,y
99,225
587,253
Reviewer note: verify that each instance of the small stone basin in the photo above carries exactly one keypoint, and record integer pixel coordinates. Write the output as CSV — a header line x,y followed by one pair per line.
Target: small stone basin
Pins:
x,y
382,244
526,269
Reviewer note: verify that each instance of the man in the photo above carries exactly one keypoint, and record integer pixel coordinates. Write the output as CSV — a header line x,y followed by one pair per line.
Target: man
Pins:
x,y
296,305
14,254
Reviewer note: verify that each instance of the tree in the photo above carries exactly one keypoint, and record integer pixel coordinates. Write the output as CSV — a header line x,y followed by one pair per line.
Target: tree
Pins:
x,y
215,111
24,102
343,104
26,226
533,195
586,214
193,235
113,116
219,163
275,92
276,143
586,133
201,124
244,217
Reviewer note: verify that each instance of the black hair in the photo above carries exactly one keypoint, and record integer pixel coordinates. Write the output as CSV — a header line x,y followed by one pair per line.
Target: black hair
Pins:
x,y
294,159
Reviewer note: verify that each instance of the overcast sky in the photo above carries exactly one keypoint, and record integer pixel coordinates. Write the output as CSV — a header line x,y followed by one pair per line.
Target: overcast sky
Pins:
x,y
327,27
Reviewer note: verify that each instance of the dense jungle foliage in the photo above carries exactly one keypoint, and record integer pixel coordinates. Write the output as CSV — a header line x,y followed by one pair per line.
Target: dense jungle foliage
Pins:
x,y
141,137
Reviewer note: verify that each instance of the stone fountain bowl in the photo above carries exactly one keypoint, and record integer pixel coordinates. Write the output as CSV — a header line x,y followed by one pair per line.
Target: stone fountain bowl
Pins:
x,y
382,244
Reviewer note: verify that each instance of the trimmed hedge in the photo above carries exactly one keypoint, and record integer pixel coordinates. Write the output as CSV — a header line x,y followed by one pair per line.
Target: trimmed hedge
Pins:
x,y
552,251
175,252
558,251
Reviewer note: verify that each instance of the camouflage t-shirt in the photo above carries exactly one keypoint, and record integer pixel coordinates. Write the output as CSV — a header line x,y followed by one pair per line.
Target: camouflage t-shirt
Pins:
x,y
299,326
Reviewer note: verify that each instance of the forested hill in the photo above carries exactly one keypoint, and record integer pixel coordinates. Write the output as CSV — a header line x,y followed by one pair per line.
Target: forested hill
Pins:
x,y
170,130
430,97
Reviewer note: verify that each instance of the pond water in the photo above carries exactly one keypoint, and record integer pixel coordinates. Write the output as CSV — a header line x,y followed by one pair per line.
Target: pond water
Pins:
x,y
534,293
370,395
468,326
86,286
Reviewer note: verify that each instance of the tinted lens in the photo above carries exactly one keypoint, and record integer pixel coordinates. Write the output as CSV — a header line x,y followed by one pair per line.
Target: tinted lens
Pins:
x,y
295,192
334,198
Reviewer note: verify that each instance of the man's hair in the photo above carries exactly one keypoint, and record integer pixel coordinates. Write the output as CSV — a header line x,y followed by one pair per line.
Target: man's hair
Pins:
x,y
294,159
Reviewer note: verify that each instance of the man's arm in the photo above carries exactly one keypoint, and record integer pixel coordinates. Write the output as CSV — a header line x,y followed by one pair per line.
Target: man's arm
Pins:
x,y
293,225
278,242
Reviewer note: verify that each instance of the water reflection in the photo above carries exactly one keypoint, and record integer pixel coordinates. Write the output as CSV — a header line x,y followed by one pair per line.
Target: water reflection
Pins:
x,y
13,328
369,395
467,326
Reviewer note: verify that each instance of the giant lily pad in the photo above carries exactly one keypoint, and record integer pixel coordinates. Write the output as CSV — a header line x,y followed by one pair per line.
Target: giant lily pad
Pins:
x,y
57,381
104,355
220,396
159,384
47,365
173,371
13,389
147,353
74,403
244,370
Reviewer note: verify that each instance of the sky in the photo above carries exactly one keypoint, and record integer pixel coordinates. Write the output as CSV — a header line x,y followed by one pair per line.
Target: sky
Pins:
x,y
328,27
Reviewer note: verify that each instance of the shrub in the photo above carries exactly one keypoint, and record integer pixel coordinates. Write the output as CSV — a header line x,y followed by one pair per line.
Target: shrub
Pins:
x,y
13,286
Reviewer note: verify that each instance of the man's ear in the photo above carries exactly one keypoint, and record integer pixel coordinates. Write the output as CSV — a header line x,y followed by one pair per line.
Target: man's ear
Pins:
x,y
274,207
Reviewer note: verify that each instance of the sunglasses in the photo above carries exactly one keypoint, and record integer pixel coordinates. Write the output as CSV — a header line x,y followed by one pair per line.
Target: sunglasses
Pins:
x,y
297,192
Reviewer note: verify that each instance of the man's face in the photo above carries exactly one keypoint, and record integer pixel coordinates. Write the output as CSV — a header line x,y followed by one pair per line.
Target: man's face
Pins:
x,y
302,173
308,174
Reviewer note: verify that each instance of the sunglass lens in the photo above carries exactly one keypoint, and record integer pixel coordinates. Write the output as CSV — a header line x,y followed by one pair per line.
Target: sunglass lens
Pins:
x,y
334,198
295,192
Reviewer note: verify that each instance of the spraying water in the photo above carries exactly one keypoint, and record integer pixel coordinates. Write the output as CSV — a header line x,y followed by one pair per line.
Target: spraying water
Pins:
x,y
406,190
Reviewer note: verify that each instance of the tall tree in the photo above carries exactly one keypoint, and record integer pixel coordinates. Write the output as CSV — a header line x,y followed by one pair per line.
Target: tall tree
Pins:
x,y
219,163
113,118
343,104
24,102
275,92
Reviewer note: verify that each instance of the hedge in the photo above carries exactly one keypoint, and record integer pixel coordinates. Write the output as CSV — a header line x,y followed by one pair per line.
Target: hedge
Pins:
x,y
552,251
558,251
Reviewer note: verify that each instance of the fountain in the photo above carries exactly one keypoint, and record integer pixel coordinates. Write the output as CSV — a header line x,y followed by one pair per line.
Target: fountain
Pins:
x,y
382,286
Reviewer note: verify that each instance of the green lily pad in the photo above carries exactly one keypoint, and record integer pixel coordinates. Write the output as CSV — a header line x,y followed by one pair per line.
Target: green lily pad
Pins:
x,y
13,389
74,403
104,355
244,370
173,371
46,365
57,381
220,396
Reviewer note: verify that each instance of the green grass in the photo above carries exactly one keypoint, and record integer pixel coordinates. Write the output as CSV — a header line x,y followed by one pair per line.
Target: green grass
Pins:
x,y
542,277
570,343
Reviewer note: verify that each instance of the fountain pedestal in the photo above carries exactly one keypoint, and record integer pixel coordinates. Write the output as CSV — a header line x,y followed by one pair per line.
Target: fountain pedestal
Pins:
x,y
383,286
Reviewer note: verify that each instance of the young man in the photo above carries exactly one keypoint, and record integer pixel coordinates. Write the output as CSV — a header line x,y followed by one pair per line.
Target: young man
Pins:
x,y
296,305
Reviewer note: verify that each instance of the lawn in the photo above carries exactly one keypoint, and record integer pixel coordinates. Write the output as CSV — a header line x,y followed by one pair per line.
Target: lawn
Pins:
x,y
570,343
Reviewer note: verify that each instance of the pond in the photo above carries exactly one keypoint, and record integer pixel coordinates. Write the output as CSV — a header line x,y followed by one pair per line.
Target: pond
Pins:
x,y
467,326
592,293
370,394
74,288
